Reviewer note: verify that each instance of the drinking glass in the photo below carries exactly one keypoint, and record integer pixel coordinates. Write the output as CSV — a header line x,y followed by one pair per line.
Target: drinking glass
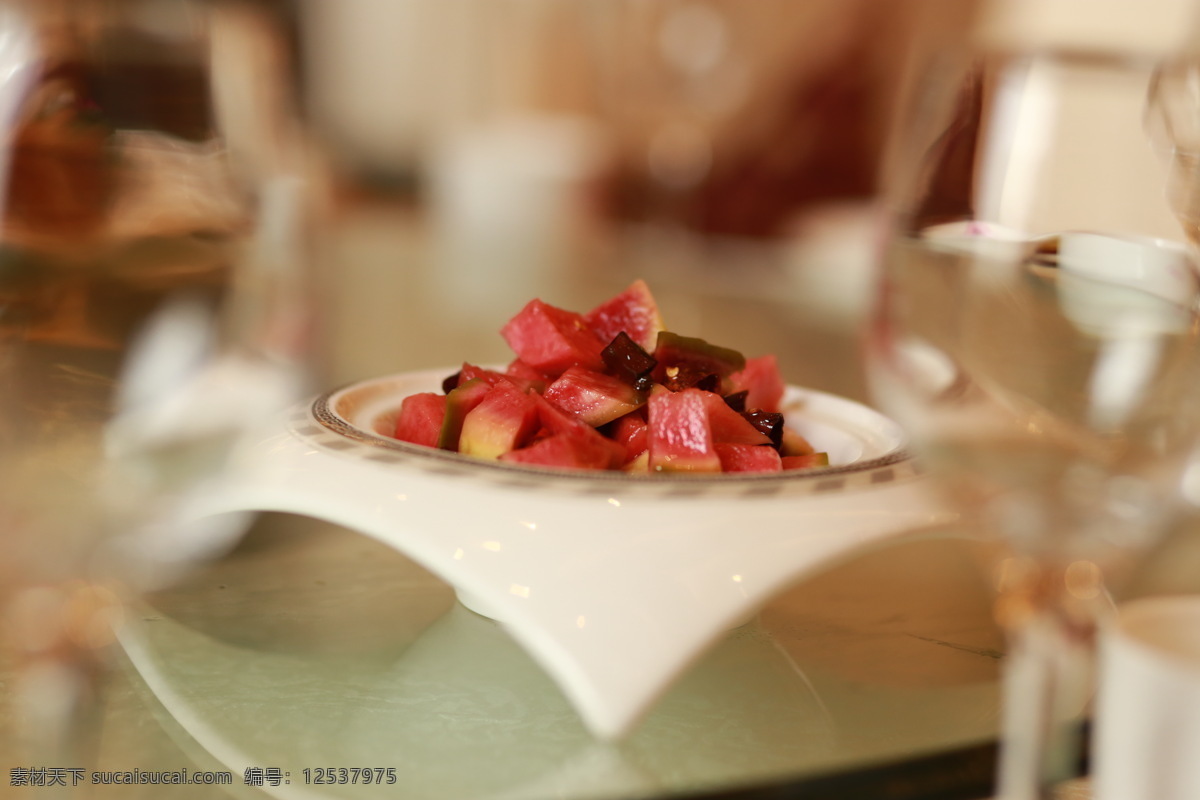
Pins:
x,y
1036,332
152,311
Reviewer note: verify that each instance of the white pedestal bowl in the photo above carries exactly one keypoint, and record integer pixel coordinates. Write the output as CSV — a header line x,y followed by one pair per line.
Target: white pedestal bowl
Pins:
x,y
614,583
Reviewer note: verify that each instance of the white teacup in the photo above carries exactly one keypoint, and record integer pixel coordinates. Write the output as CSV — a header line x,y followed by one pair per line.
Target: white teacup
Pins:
x,y
1147,739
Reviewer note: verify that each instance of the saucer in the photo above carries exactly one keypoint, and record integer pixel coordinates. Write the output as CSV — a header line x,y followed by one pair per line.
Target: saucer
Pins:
x,y
614,583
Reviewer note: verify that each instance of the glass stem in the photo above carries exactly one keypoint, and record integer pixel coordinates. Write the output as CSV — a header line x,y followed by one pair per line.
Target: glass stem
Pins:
x,y
53,646
1048,680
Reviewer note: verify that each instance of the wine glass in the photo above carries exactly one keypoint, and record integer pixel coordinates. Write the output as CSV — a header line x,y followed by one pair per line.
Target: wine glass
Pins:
x,y
1036,332
152,312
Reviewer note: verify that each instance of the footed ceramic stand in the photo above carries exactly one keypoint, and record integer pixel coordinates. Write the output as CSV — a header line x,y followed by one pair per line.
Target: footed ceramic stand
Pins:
x,y
613,583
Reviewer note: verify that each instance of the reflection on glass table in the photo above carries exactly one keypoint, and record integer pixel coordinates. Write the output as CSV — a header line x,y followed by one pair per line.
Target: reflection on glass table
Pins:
x,y
311,647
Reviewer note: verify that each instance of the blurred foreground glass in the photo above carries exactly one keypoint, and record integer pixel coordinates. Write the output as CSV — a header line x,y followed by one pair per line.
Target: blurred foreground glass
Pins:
x,y
152,310
1036,332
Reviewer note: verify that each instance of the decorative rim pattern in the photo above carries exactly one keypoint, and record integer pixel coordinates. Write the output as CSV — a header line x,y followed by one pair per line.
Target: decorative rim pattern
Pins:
x,y
321,425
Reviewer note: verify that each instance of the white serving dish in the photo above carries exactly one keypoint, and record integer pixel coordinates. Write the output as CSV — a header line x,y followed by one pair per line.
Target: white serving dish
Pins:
x,y
614,583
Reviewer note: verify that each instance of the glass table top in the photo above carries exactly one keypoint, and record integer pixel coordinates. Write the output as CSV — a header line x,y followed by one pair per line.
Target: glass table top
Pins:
x,y
311,649
313,662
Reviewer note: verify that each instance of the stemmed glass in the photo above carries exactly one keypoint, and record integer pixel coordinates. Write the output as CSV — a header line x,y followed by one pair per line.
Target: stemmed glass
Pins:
x,y
1036,332
152,311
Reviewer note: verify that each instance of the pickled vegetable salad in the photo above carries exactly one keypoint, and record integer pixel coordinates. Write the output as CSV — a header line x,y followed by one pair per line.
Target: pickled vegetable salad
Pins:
x,y
612,389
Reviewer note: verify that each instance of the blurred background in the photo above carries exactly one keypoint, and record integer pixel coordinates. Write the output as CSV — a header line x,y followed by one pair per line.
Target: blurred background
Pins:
x,y
481,154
